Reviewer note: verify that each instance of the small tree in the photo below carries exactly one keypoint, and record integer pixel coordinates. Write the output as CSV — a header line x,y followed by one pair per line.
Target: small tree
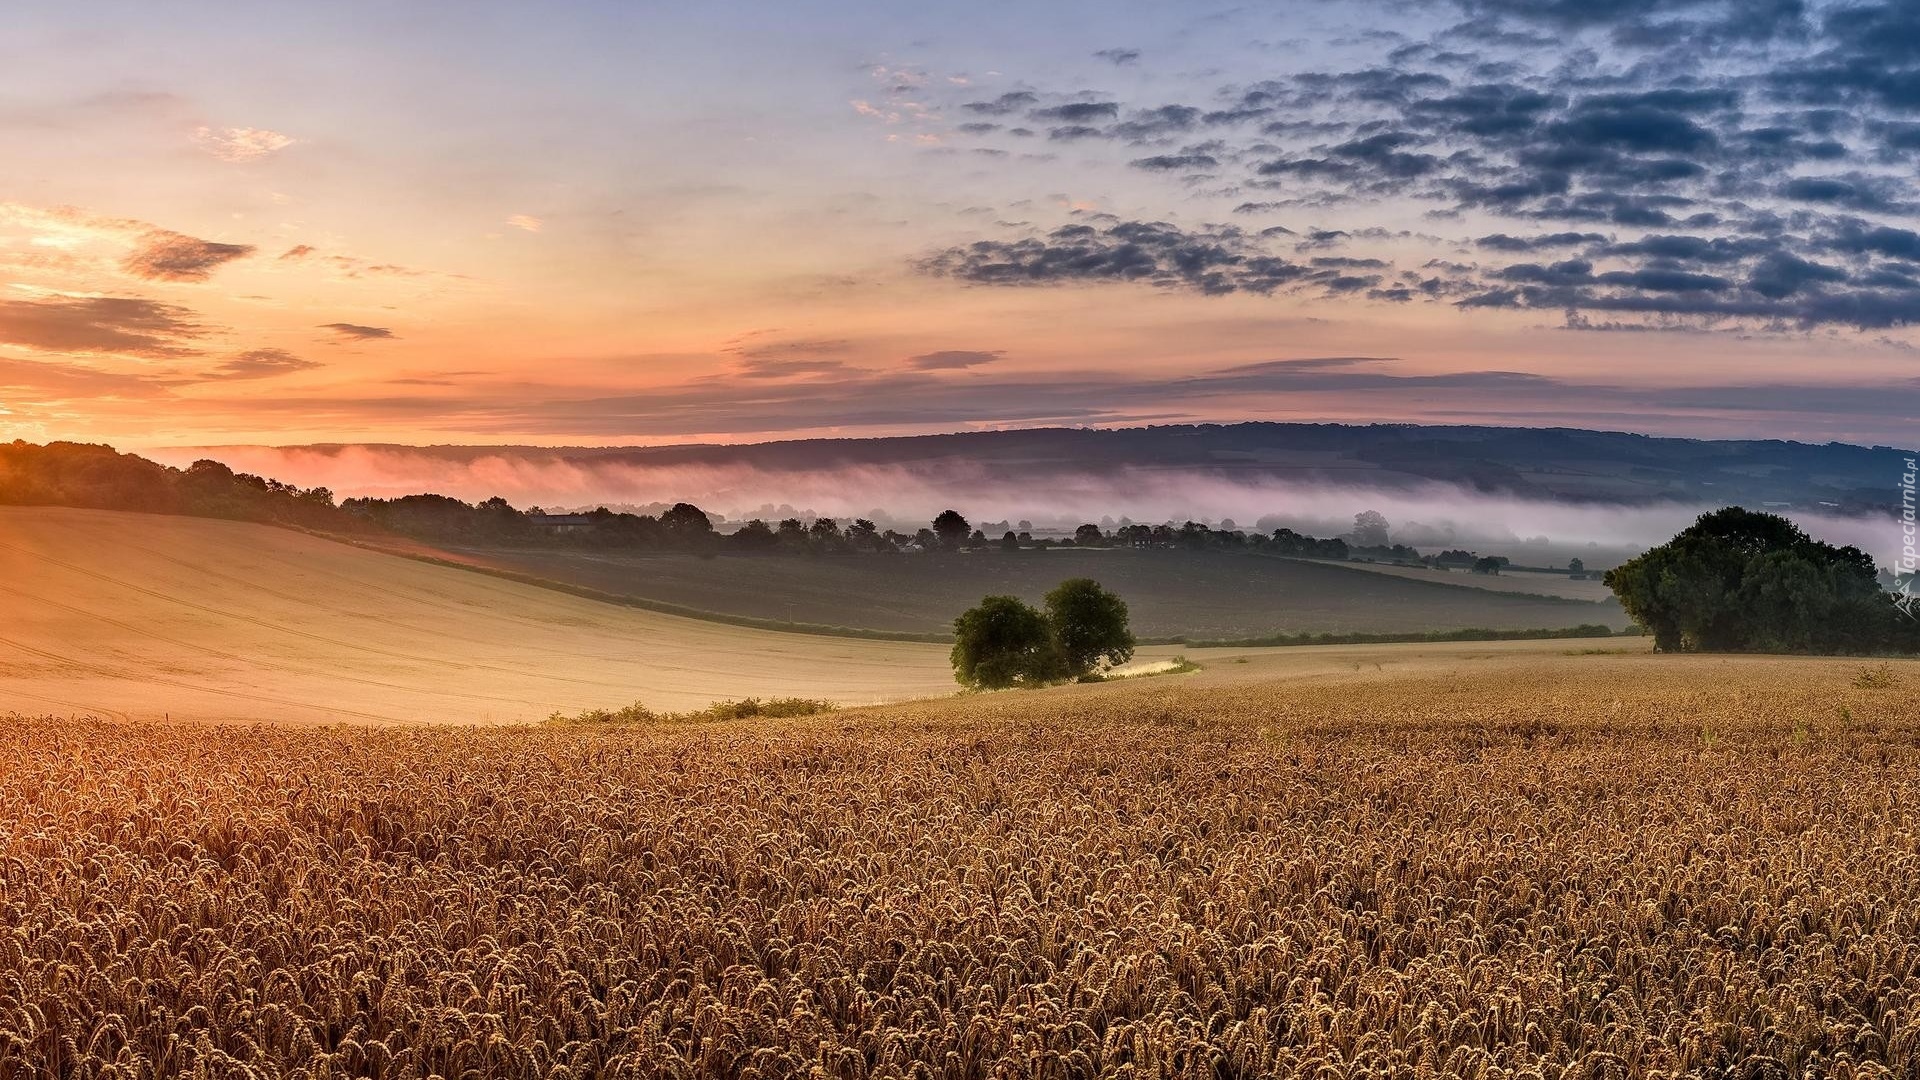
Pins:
x,y
687,520
1001,643
1370,529
755,535
1089,626
824,534
951,528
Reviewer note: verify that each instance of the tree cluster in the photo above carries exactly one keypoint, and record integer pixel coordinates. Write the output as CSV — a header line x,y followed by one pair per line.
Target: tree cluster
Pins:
x,y
1004,642
99,478
440,518
1740,581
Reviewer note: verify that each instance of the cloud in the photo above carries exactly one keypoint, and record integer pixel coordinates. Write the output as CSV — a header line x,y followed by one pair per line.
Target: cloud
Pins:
x,y
800,347
356,332
151,253
1118,57
348,266
1175,162
66,380
163,255
1077,112
952,359
1213,260
785,368
1503,242
1151,125
1370,388
1003,105
525,221
241,144
1746,165
262,363
100,324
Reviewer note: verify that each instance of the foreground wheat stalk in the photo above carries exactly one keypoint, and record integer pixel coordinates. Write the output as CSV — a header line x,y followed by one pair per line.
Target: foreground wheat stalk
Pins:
x,y
1572,876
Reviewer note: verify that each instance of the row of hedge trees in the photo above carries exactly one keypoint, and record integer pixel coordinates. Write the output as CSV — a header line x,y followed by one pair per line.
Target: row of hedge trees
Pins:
x,y
98,477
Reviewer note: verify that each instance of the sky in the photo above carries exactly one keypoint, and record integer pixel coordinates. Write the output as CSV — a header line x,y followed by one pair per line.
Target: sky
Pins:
x,y
635,222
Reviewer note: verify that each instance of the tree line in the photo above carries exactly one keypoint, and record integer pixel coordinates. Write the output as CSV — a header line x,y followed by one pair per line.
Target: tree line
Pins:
x,y
686,527
97,477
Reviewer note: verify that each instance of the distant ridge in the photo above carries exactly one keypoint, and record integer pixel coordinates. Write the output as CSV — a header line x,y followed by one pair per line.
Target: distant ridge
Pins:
x,y
1562,464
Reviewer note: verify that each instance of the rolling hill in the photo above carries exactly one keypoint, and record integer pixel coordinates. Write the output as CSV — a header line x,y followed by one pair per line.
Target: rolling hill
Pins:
x,y
143,616
1558,464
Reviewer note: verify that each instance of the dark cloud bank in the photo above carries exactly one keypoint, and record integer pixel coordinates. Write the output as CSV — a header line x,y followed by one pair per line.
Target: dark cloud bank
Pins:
x,y
1688,164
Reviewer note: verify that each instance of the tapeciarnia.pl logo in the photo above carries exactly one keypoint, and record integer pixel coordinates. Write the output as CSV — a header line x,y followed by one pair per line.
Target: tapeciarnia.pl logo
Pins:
x,y
1905,598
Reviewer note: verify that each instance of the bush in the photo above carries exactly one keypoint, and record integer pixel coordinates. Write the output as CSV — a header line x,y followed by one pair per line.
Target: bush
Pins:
x,y
744,709
1874,678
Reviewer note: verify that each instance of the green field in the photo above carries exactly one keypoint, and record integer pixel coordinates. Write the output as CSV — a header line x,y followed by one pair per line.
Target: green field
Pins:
x,y
1193,594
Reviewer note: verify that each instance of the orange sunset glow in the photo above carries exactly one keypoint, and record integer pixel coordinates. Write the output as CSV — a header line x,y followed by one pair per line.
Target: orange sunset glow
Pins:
x,y
633,226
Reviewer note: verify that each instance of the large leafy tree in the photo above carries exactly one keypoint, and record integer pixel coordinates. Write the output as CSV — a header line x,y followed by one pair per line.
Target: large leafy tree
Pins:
x,y
1089,626
1003,642
1741,581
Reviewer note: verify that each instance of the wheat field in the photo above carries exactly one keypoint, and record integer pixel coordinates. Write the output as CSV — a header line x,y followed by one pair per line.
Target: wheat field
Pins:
x,y
1541,866
145,617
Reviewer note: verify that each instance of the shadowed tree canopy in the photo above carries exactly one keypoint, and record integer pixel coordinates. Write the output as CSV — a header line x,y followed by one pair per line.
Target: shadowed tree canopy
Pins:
x,y
1370,529
951,528
686,519
1089,626
99,477
1740,581
1003,642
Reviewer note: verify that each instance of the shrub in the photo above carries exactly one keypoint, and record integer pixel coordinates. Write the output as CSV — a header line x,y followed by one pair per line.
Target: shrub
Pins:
x,y
744,709
1874,678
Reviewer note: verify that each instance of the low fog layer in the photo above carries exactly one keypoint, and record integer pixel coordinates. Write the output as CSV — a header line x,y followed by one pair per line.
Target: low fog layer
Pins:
x,y
1427,516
